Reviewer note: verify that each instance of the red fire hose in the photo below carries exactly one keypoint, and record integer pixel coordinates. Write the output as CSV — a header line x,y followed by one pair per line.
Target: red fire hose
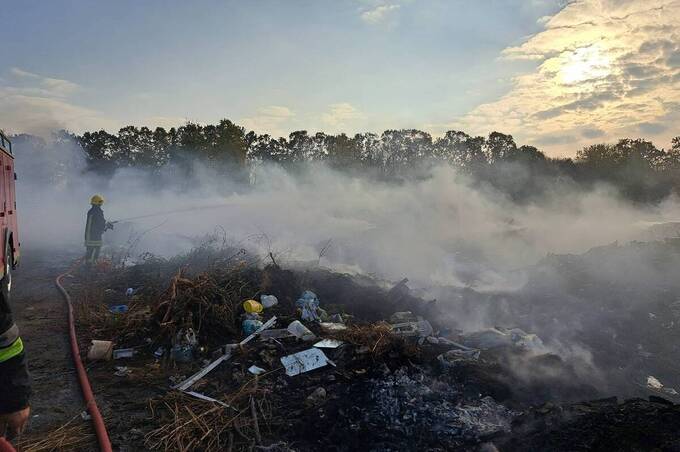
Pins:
x,y
6,446
97,420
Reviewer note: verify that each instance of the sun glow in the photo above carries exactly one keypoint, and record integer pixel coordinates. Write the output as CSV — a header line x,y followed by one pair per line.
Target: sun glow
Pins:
x,y
584,64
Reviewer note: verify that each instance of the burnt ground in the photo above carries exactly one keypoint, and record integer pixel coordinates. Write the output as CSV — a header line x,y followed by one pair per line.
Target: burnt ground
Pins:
x,y
41,314
599,425
397,397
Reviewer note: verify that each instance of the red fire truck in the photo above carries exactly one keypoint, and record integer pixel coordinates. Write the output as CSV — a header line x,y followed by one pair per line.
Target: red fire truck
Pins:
x,y
8,217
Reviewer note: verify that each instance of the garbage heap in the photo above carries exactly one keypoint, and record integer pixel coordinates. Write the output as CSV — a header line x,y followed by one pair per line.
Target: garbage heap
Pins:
x,y
231,355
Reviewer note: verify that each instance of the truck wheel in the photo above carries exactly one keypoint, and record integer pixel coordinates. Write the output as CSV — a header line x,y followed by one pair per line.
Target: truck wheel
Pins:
x,y
6,283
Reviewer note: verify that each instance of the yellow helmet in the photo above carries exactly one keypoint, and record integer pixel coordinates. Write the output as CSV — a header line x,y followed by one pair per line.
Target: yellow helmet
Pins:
x,y
97,200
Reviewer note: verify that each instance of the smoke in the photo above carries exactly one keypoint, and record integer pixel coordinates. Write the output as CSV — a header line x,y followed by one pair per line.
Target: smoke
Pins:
x,y
442,229
487,259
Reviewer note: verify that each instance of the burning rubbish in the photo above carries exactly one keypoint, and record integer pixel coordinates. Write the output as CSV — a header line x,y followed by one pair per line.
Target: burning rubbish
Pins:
x,y
494,337
347,288
338,355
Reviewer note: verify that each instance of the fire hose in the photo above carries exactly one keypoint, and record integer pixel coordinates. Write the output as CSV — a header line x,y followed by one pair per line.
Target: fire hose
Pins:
x,y
174,211
97,420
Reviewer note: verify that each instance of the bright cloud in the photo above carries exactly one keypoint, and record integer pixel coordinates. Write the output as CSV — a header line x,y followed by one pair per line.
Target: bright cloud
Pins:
x,y
20,73
379,14
340,116
272,119
46,86
606,69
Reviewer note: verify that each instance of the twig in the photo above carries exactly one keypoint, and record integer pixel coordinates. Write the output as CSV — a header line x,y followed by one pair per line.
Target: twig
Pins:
x,y
256,425
271,256
325,248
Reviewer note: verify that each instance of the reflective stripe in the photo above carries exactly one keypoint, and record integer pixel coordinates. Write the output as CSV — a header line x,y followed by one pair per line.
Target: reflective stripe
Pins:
x,y
88,226
13,350
9,336
93,243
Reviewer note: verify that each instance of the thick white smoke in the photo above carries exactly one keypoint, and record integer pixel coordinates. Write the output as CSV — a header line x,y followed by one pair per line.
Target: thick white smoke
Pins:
x,y
438,230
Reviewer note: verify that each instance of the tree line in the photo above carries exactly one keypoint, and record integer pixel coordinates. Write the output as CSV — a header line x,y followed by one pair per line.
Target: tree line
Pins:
x,y
636,167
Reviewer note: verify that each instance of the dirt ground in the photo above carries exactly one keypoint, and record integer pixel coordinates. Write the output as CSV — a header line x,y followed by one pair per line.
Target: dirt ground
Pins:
x,y
41,314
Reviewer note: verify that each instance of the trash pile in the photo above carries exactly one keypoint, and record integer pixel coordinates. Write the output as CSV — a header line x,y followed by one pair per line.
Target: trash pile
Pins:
x,y
616,306
236,356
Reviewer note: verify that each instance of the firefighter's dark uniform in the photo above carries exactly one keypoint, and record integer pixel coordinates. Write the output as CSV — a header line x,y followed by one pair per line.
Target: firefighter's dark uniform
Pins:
x,y
15,386
94,229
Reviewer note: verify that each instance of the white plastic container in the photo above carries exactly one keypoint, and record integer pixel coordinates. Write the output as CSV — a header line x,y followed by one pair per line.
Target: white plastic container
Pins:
x,y
268,301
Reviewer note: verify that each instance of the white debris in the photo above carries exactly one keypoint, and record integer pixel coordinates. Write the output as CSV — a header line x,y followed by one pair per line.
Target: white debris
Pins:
x,y
495,337
526,341
256,370
653,383
421,328
297,329
328,343
268,301
331,327
304,361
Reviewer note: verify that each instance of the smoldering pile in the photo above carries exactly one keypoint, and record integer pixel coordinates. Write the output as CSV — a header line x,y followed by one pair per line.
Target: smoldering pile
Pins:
x,y
333,361
613,308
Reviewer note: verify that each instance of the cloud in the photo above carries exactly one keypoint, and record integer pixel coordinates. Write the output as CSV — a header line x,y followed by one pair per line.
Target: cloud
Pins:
x,y
32,103
273,119
42,115
652,128
379,14
543,20
548,140
591,133
43,85
606,65
58,87
276,111
20,73
340,115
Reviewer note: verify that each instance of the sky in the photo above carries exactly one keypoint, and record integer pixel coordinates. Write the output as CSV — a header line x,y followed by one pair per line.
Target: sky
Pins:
x,y
556,74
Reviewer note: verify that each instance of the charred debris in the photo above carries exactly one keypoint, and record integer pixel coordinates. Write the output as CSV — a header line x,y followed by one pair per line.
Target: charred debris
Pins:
x,y
216,350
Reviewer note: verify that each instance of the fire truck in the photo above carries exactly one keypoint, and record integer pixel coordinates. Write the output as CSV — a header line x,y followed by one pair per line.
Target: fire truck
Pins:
x,y
8,217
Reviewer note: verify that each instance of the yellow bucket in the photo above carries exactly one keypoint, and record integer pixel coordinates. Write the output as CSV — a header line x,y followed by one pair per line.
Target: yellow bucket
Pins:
x,y
252,307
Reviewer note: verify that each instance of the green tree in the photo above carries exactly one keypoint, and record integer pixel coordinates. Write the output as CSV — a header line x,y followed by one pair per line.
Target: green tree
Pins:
x,y
460,149
101,150
499,146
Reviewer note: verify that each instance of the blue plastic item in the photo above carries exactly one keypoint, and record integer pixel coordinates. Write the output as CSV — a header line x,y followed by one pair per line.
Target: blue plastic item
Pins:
x,y
182,353
309,304
250,326
307,297
119,309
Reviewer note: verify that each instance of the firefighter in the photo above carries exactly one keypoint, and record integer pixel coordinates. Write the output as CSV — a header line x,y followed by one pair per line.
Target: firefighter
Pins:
x,y
15,388
94,228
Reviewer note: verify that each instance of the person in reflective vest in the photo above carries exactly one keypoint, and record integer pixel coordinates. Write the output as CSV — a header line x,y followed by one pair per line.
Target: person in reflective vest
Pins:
x,y
95,227
15,387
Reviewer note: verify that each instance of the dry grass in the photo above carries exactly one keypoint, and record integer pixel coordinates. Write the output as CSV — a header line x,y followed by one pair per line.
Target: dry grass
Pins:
x,y
187,423
207,303
75,434
377,338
